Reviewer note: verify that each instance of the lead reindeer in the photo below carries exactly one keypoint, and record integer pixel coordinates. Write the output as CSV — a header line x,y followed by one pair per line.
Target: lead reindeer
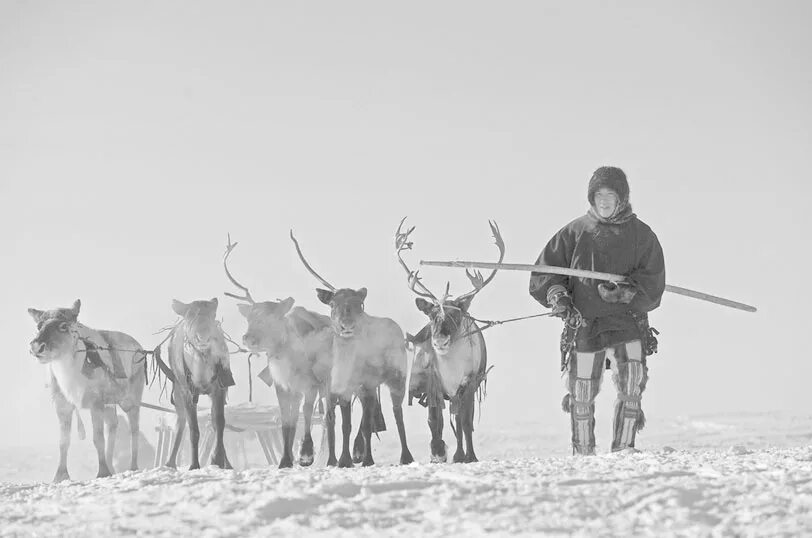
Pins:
x,y
298,344
450,356
200,364
367,351
94,370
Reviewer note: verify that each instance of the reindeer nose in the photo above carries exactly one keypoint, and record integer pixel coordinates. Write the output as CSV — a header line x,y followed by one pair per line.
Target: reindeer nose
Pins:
x,y
249,340
37,347
202,339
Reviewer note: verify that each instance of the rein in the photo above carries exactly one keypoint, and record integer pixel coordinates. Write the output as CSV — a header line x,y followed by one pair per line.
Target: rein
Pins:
x,y
143,352
487,324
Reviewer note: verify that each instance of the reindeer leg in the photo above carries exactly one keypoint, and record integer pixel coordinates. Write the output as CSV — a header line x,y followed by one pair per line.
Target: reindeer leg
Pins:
x,y
358,446
284,397
468,423
180,425
330,422
346,429
97,418
459,454
397,391
437,445
218,419
295,404
64,411
368,402
111,420
306,451
134,417
194,429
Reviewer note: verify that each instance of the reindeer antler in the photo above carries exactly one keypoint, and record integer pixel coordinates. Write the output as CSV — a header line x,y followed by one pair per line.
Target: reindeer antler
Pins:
x,y
402,243
307,265
247,297
476,277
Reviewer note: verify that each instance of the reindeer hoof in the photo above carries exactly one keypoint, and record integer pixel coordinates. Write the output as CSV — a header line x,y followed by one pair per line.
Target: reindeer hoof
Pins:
x,y
61,475
368,462
345,461
439,454
459,456
285,463
171,465
104,471
358,450
331,461
306,452
194,466
220,460
406,458
471,458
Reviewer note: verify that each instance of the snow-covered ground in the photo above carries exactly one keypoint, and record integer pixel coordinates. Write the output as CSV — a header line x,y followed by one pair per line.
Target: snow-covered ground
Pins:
x,y
725,475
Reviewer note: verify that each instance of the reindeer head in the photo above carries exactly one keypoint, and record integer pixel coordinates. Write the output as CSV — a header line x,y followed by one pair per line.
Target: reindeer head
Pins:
x,y
446,320
448,317
346,308
346,304
56,332
199,324
267,325
267,320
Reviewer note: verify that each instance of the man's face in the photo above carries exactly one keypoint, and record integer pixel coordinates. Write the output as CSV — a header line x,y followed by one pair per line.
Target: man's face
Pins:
x,y
606,202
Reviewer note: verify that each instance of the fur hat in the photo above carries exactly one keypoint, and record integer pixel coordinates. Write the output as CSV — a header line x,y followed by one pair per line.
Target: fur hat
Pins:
x,y
611,178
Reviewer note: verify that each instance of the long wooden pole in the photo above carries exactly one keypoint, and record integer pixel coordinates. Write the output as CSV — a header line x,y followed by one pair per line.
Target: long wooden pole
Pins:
x,y
586,274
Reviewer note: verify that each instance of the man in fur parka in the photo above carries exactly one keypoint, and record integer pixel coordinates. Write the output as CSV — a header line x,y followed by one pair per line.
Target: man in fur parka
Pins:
x,y
613,330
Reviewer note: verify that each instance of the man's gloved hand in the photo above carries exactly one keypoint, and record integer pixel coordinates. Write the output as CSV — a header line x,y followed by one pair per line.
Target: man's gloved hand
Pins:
x,y
616,292
562,305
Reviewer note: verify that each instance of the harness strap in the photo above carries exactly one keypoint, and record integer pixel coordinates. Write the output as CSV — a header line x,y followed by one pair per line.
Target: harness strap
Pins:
x,y
93,360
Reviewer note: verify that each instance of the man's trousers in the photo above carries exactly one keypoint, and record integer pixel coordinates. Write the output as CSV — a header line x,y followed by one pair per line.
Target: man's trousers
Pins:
x,y
584,375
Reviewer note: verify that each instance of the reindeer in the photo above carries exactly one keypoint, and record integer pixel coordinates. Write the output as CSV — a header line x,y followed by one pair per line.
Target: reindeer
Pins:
x,y
367,351
450,358
298,344
94,370
200,364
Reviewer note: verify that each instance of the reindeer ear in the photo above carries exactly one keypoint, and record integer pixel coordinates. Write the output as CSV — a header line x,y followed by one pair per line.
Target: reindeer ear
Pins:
x,y
179,307
77,304
214,303
245,309
423,305
36,314
363,293
325,296
285,306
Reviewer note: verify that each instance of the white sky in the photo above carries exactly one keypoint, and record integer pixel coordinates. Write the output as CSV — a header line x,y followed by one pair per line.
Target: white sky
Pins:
x,y
134,136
